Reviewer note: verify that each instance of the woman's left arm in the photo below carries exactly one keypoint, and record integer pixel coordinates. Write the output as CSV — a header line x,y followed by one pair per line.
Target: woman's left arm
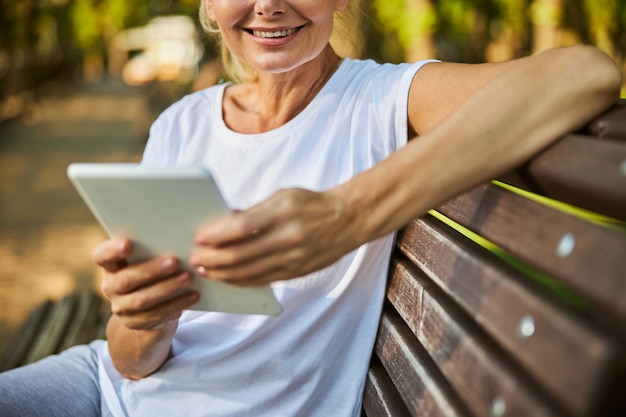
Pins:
x,y
473,121
476,121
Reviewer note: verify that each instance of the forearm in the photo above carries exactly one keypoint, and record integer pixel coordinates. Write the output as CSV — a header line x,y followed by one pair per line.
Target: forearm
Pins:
x,y
489,133
138,353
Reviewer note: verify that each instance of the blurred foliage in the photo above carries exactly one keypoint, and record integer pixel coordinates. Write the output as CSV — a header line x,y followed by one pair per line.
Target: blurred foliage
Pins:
x,y
490,30
43,39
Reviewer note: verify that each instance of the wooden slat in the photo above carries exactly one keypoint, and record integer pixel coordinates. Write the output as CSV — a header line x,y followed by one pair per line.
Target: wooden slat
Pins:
x,y
501,300
103,319
587,257
55,326
615,401
84,325
417,379
21,343
610,124
381,398
53,330
581,171
480,372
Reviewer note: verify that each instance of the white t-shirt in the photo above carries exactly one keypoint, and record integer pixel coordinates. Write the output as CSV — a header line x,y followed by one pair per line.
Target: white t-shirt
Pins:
x,y
312,359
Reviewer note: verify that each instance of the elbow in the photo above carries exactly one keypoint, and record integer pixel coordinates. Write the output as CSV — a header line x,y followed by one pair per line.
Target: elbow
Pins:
x,y
596,74
130,375
133,374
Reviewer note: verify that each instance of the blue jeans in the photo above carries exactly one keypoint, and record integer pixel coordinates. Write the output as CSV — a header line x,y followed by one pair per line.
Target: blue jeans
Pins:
x,y
61,385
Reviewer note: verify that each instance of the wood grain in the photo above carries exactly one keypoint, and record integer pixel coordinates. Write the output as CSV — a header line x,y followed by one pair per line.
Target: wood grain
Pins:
x,y
381,398
421,385
502,300
582,171
585,256
480,373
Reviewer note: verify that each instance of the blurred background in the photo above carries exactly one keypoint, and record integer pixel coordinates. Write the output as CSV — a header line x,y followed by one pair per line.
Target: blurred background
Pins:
x,y
82,80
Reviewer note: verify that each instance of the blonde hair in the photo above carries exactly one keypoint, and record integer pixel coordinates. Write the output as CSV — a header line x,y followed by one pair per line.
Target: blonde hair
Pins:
x,y
347,40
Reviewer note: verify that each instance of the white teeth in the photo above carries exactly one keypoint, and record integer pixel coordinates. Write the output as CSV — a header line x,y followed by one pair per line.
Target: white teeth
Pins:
x,y
276,34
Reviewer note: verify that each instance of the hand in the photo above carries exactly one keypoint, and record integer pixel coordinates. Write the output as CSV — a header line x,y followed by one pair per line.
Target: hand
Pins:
x,y
142,295
293,233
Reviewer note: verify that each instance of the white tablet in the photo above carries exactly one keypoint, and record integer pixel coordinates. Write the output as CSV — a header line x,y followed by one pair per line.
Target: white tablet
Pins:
x,y
159,209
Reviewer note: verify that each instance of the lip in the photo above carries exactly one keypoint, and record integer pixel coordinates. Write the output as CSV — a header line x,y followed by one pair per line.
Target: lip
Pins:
x,y
270,40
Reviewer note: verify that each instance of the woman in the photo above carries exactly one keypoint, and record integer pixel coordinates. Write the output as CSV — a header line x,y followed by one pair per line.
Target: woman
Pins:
x,y
314,151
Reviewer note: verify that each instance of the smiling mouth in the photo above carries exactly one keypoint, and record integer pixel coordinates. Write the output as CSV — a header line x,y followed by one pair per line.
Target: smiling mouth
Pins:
x,y
274,34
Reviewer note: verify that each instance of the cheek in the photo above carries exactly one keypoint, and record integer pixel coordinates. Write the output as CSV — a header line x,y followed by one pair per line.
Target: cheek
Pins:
x,y
226,12
324,22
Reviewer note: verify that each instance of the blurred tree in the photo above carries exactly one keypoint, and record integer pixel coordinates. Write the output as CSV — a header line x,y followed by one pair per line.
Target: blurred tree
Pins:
x,y
604,25
509,31
547,19
18,38
493,30
41,39
411,23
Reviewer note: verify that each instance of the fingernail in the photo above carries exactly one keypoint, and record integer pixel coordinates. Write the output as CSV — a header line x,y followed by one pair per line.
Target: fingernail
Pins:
x,y
193,297
121,246
184,278
200,237
168,263
201,270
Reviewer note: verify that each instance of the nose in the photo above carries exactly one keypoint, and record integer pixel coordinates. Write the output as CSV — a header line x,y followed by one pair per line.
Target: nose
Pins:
x,y
269,8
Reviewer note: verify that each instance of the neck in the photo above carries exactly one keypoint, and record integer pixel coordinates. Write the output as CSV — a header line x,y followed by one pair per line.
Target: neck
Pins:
x,y
274,99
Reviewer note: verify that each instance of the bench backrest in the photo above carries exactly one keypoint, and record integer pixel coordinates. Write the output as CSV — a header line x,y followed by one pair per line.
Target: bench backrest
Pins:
x,y
504,303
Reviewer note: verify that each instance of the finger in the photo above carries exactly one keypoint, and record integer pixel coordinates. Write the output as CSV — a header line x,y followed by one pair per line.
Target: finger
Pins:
x,y
112,254
139,275
251,234
162,313
276,264
262,271
286,243
239,226
259,245
280,261
150,296
281,234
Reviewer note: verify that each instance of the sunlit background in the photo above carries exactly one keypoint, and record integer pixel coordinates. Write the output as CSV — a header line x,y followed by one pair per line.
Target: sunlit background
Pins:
x,y
82,80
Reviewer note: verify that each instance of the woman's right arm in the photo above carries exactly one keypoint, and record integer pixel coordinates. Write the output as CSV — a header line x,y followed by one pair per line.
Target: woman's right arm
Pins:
x,y
145,313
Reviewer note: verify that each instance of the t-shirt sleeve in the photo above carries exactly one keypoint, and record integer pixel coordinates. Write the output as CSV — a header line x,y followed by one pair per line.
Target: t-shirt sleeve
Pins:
x,y
389,95
165,135
401,119
154,152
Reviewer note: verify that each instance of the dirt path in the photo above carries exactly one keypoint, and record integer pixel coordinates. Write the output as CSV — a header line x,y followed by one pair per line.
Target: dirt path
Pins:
x,y
46,233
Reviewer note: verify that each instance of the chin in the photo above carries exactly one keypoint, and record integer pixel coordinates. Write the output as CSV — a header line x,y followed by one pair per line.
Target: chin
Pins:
x,y
277,66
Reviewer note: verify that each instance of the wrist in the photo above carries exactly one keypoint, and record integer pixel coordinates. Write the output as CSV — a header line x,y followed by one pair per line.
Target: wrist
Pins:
x,y
386,197
139,353
361,210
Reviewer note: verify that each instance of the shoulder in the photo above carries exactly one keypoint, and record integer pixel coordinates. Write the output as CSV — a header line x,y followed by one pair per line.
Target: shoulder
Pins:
x,y
182,122
370,69
378,79
439,89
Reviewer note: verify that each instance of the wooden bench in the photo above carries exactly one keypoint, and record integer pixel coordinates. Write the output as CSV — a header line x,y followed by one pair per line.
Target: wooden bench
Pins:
x,y
55,326
500,303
